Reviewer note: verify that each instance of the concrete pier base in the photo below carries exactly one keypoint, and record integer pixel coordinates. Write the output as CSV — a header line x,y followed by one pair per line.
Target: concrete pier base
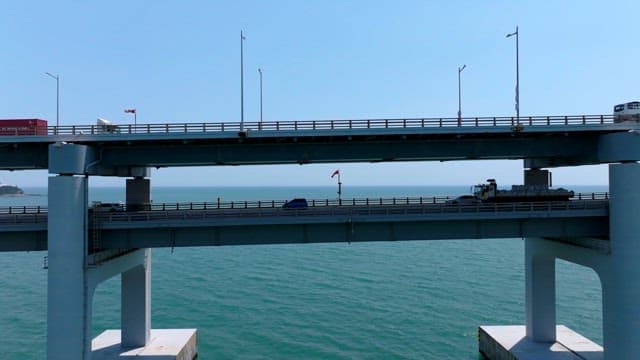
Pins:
x,y
510,342
164,344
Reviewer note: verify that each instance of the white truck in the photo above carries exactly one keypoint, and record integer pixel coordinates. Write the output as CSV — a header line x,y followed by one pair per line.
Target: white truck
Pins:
x,y
627,112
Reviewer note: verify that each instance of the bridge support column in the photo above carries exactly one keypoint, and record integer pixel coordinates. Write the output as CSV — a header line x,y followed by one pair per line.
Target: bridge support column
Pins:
x,y
136,304
540,291
138,193
621,292
136,282
540,286
69,296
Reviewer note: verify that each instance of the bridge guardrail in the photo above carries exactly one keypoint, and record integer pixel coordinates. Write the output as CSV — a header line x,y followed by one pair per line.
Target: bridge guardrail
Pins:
x,y
270,204
357,210
353,210
204,127
400,208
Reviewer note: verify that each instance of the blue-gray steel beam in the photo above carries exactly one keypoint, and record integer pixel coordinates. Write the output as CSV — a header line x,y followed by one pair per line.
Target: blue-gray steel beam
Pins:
x,y
237,230
554,145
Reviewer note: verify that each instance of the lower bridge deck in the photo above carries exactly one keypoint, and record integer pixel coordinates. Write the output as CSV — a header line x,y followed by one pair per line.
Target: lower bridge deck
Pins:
x,y
583,221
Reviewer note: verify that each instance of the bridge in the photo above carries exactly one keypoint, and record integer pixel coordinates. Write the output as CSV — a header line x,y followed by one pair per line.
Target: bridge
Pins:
x,y
84,250
585,218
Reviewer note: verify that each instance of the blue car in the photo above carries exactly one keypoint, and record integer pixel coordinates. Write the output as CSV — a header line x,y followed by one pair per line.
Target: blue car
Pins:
x,y
296,204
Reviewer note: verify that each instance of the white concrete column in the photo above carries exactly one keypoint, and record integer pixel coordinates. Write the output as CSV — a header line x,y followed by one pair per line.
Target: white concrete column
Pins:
x,y
620,284
136,304
540,279
68,295
136,282
540,291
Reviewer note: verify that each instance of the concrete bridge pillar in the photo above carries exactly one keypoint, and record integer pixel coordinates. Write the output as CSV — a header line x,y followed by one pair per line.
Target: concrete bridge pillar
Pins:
x,y
540,285
540,291
136,282
621,287
136,304
69,296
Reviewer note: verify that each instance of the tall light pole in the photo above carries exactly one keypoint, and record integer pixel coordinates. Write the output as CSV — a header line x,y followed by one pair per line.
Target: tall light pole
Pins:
x,y
260,72
517,78
459,95
337,172
241,81
57,77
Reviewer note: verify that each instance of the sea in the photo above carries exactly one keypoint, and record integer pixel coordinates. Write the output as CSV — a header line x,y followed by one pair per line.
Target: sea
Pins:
x,y
378,300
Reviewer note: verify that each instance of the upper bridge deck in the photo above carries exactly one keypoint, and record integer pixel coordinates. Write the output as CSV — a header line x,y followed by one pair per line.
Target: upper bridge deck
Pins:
x,y
543,140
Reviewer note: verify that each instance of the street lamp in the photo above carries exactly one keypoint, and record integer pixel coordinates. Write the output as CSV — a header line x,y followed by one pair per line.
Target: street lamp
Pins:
x,y
517,78
260,71
57,98
241,81
459,96
337,172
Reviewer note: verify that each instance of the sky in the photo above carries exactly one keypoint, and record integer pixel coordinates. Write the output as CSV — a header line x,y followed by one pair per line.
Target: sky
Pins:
x,y
179,62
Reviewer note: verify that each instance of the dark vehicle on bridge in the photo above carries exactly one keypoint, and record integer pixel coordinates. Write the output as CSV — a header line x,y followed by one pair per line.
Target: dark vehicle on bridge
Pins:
x,y
298,203
490,193
101,207
464,200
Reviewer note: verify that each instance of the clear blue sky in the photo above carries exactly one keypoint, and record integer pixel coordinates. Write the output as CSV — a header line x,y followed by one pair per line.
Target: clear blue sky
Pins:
x,y
179,62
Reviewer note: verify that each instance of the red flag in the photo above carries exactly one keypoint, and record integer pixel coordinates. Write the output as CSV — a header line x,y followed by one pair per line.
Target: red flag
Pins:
x,y
337,172
132,111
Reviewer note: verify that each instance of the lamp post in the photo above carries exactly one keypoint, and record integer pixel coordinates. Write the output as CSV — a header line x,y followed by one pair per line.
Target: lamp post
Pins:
x,y
459,95
337,172
241,81
517,77
260,72
57,77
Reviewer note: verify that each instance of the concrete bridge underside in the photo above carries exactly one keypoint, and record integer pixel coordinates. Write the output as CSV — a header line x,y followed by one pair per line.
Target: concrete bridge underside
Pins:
x,y
586,228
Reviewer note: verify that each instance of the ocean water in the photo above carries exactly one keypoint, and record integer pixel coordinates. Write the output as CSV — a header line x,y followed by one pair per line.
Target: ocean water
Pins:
x,y
387,300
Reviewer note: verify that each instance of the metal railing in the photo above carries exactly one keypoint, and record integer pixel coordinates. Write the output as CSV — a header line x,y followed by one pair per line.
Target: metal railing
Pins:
x,y
270,204
203,211
516,124
197,211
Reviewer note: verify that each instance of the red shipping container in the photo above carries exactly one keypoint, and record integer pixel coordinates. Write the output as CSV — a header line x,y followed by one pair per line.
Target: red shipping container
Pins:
x,y
14,127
